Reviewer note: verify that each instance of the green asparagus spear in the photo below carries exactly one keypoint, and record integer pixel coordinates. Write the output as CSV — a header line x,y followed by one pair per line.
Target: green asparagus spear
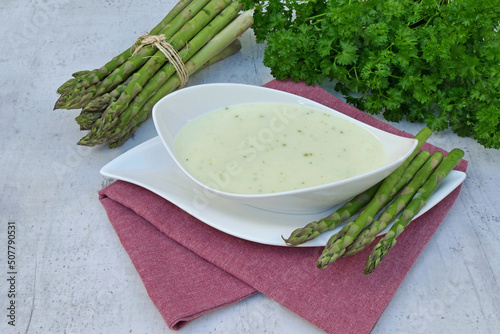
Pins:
x,y
410,171
87,119
338,243
451,160
77,77
369,234
100,103
80,74
67,86
176,10
315,228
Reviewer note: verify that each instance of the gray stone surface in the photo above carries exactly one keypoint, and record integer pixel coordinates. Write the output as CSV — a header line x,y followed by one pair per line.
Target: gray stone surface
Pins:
x,y
74,276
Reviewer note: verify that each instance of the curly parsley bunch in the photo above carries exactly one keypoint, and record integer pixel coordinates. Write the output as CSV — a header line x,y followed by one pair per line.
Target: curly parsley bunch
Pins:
x,y
432,61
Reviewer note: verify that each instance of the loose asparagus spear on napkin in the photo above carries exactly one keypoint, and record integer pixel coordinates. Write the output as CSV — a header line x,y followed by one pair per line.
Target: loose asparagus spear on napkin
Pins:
x,y
352,207
368,235
337,244
417,203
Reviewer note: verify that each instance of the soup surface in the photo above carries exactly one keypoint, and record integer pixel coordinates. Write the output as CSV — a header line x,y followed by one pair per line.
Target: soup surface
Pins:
x,y
268,148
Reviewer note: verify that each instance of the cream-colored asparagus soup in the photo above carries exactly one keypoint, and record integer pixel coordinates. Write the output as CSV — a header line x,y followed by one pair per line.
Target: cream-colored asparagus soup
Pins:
x,y
268,148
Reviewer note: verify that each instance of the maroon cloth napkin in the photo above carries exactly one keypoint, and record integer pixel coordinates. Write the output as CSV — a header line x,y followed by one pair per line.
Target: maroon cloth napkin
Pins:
x,y
190,268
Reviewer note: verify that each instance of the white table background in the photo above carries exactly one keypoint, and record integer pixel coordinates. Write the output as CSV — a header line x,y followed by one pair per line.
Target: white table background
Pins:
x,y
73,274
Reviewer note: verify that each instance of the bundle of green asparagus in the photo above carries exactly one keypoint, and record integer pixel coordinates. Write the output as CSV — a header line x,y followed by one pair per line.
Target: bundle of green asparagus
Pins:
x,y
118,97
404,192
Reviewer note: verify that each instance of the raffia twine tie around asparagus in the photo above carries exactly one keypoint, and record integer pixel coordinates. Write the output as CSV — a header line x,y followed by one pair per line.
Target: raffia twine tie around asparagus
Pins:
x,y
160,42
